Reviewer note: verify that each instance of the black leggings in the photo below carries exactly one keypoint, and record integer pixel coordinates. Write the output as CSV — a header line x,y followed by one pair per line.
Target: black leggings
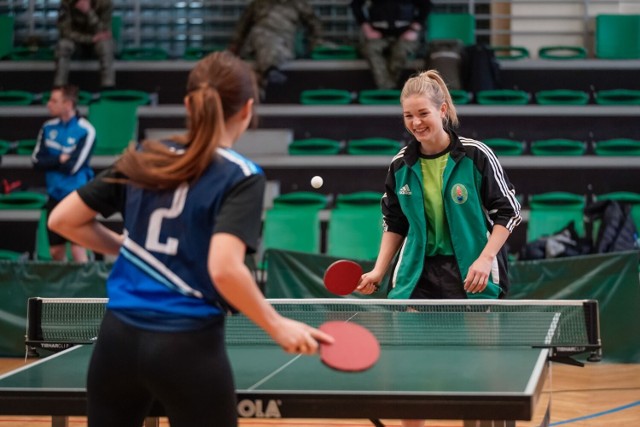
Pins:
x,y
187,372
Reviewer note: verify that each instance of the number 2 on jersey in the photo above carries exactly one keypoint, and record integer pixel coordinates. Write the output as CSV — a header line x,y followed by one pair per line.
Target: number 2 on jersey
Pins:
x,y
153,243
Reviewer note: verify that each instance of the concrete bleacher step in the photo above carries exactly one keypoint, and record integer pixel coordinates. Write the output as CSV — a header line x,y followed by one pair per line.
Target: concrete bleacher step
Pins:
x,y
253,143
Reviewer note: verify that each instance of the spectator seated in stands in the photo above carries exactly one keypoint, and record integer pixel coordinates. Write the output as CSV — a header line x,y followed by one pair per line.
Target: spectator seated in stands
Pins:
x,y
268,29
390,35
85,24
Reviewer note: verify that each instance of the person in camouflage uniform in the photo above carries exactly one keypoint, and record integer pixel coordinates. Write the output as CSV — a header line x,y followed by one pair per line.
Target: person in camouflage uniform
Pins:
x,y
85,23
391,31
267,31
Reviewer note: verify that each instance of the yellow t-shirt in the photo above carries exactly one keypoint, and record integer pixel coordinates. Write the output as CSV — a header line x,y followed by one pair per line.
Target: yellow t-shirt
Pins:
x,y
438,236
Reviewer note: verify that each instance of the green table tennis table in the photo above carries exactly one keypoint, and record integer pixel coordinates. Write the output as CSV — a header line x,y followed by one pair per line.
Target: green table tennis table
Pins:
x,y
461,359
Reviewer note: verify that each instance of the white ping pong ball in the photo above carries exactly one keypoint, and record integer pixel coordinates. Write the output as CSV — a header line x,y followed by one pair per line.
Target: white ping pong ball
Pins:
x,y
316,181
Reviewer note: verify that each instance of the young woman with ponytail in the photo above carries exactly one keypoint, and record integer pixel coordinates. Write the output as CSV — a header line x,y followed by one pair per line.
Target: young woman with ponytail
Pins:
x,y
192,210
448,208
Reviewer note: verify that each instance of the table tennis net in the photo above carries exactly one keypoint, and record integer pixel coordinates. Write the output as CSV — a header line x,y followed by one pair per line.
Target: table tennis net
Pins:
x,y
558,323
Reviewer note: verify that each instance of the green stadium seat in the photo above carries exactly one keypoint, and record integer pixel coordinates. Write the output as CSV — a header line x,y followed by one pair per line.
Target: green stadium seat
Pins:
x,y
505,146
136,96
559,52
355,226
334,52
448,26
32,54
617,147
379,97
510,53
6,35
293,223
315,146
25,147
195,53
618,97
502,97
16,97
325,97
551,212
43,248
562,97
5,147
144,54
301,199
116,33
558,147
20,200
110,139
374,146
460,96
617,36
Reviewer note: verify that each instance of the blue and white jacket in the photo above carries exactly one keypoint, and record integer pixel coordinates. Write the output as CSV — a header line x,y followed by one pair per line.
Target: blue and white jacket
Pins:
x,y
76,138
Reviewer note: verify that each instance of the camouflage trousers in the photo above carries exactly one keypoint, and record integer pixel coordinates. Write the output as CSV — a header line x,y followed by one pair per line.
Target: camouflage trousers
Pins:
x,y
269,49
104,50
387,58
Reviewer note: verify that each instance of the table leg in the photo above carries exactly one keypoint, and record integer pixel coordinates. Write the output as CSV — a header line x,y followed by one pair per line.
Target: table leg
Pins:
x,y
59,421
489,423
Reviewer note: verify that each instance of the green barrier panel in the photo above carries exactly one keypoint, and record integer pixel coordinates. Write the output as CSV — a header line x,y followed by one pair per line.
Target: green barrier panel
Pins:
x,y
299,275
22,280
612,279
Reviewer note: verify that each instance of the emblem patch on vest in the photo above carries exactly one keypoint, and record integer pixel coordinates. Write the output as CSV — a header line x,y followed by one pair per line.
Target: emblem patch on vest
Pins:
x,y
459,193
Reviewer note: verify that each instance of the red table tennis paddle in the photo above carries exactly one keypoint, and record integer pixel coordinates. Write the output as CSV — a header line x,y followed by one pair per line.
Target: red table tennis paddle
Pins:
x,y
354,348
342,277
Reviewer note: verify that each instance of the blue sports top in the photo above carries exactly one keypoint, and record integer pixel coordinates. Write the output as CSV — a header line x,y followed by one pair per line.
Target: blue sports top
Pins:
x,y
76,138
160,280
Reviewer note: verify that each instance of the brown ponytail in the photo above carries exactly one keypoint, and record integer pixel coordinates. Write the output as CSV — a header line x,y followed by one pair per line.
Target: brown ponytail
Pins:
x,y
218,87
430,84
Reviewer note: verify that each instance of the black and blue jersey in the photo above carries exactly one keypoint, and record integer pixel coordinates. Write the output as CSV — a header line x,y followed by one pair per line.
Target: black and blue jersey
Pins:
x,y
160,279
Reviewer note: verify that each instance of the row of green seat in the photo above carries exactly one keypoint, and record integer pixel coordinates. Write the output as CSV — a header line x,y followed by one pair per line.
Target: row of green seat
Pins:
x,y
111,107
362,146
501,146
617,36
293,223
23,97
354,226
386,146
368,97
483,97
564,147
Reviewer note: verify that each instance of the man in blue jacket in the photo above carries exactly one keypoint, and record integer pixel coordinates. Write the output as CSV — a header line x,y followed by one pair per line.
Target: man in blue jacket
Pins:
x,y
63,151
